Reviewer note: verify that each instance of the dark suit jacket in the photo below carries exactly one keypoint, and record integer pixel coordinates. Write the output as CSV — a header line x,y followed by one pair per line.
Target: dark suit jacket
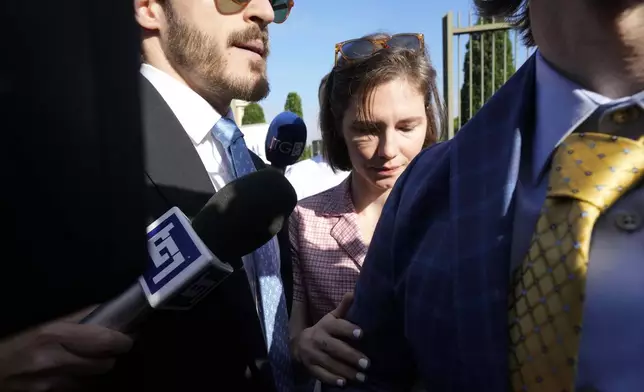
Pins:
x,y
70,158
218,345
432,297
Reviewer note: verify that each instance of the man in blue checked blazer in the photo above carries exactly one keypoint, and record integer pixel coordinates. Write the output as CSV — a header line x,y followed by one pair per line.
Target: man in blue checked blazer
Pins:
x,y
432,298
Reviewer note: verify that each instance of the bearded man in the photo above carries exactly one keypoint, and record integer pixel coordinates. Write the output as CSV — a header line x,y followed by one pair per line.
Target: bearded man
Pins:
x,y
198,56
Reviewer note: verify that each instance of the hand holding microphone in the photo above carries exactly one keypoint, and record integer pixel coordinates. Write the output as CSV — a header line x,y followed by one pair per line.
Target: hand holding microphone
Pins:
x,y
285,140
58,355
183,268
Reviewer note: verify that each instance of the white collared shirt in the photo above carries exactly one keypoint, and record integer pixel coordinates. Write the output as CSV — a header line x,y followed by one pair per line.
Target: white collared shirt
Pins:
x,y
197,118
312,176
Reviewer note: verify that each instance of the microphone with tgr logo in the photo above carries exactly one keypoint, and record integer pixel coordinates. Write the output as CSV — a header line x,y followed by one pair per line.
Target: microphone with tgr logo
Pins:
x,y
285,140
188,261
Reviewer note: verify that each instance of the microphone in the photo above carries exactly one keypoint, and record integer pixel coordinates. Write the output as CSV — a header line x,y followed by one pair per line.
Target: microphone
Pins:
x,y
285,140
187,261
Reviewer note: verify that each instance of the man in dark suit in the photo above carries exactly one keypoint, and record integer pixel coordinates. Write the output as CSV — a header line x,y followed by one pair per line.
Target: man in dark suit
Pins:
x,y
456,288
198,56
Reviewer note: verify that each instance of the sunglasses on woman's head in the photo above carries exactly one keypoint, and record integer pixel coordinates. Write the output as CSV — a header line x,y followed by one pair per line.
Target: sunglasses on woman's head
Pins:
x,y
362,48
281,8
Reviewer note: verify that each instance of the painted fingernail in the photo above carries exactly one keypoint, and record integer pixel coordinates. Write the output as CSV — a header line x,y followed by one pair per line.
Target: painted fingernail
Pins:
x,y
340,382
363,363
357,333
361,377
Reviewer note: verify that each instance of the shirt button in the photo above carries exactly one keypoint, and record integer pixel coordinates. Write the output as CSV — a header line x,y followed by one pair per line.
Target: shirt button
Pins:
x,y
628,221
625,115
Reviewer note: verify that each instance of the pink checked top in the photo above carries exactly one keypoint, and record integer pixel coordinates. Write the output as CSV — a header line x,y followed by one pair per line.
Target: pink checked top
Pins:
x,y
327,249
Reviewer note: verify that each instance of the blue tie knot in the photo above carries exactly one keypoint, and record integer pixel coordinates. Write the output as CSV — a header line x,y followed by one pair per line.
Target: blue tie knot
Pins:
x,y
226,131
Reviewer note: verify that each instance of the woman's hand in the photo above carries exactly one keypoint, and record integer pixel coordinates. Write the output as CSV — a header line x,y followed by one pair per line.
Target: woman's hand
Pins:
x,y
323,351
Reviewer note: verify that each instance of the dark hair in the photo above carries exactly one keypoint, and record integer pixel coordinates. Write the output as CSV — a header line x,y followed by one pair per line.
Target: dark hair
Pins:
x,y
321,88
516,12
358,80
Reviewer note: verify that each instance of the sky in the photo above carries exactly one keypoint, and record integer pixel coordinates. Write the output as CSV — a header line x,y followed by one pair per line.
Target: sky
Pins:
x,y
302,48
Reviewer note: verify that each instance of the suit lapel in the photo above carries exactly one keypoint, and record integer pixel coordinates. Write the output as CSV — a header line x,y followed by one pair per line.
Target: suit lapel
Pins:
x,y
173,167
485,167
346,230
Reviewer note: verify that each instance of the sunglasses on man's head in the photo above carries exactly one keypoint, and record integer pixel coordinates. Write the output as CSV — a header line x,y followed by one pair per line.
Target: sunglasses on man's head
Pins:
x,y
281,8
362,48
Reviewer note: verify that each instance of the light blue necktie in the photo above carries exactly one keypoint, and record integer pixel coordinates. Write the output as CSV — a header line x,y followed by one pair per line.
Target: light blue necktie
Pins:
x,y
272,307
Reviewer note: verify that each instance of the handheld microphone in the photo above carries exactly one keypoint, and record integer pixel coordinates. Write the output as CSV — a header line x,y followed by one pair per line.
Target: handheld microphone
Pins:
x,y
187,261
285,140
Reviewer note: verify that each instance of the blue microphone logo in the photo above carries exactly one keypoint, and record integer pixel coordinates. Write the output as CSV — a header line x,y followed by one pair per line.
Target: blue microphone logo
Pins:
x,y
287,148
174,249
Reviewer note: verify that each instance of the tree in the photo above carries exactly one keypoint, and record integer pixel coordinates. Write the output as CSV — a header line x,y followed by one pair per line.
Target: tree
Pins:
x,y
456,120
307,153
473,51
253,114
294,104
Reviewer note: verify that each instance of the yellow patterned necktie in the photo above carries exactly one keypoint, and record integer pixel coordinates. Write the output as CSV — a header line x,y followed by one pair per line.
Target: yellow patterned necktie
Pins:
x,y
589,173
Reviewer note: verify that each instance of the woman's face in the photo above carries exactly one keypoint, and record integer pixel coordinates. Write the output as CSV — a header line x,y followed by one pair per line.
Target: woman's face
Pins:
x,y
381,146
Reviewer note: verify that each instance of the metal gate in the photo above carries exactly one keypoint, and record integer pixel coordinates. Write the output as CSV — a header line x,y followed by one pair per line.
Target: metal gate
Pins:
x,y
487,68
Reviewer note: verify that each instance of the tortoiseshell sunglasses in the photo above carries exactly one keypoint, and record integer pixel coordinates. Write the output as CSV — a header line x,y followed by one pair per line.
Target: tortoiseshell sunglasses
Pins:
x,y
362,48
281,8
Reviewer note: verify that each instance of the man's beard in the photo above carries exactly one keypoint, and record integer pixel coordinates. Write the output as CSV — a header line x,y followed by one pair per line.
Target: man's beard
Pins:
x,y
199,60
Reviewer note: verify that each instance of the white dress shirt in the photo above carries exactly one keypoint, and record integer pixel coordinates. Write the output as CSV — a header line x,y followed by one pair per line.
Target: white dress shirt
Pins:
x,y
197,118
312,176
